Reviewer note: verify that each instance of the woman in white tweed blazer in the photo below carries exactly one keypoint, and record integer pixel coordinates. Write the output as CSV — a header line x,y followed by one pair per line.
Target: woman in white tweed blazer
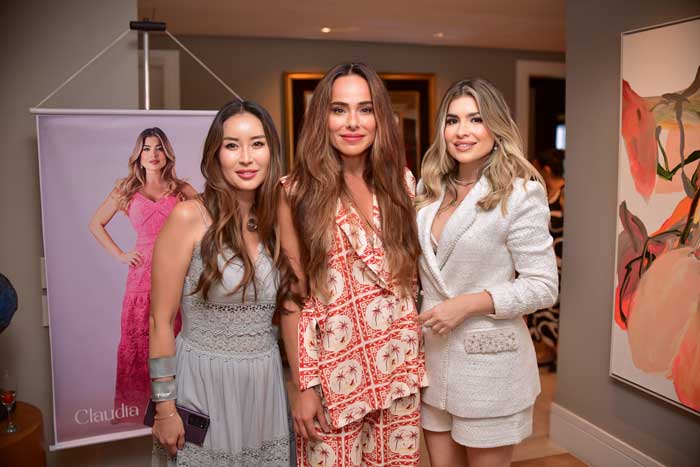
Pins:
x,y
487,260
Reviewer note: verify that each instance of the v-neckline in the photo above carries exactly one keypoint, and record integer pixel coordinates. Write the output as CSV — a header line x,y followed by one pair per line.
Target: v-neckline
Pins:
x,y
152,200
357,211
437,239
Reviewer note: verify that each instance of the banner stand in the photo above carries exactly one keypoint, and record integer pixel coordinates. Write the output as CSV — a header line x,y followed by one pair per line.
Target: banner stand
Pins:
x,y
105,136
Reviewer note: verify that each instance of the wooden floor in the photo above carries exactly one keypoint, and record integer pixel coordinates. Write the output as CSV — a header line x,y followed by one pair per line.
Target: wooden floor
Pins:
x,y
561,460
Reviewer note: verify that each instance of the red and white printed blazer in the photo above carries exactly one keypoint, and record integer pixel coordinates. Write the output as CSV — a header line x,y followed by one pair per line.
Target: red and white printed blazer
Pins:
x,y
362,344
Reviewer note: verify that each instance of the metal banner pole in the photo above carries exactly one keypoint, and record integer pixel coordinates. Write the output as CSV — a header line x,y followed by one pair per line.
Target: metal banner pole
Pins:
x,y
146,83
145,26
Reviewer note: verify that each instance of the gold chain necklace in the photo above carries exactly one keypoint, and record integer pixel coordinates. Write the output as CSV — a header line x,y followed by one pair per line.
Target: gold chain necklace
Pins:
x,y
462,182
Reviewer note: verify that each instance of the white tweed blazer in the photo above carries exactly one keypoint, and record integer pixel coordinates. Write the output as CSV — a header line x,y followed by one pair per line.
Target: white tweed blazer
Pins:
x,y
486,367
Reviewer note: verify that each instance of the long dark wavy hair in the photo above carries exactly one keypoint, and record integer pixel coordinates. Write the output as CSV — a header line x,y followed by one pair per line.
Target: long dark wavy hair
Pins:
x,y
317,181
220,200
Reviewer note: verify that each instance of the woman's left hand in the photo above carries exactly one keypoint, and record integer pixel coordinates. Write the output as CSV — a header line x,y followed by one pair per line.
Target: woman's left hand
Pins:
x,y
444,317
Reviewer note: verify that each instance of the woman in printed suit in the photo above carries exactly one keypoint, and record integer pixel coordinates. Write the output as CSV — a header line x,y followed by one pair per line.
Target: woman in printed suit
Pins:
x,y
487,261
346,224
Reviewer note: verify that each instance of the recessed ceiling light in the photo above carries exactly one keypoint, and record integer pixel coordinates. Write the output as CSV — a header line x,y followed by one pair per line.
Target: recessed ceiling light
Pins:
x,y
439,35
325,30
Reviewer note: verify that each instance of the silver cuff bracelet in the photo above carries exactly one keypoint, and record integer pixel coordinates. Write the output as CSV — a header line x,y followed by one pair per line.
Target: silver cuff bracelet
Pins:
x,y
162,366
163,390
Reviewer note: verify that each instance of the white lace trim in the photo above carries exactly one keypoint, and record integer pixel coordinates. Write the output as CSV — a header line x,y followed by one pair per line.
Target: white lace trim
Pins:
x,y
273,453
235,327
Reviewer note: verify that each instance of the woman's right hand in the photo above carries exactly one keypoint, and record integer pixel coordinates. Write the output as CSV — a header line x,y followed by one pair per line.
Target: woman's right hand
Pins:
x,y
132,258
306,407
170,433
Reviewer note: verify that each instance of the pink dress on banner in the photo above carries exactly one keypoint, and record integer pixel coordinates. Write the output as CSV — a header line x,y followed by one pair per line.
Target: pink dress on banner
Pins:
x,y
133,388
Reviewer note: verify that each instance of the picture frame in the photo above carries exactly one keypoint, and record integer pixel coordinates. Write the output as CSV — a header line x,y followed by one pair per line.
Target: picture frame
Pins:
x,y
653,345
413,101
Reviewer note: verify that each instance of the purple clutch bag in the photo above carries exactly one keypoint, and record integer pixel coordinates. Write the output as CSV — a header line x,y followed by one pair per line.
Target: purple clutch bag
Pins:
x,y
196,424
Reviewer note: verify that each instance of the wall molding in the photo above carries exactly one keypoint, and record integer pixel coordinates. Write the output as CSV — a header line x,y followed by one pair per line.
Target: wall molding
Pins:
x,y
524,70
591,444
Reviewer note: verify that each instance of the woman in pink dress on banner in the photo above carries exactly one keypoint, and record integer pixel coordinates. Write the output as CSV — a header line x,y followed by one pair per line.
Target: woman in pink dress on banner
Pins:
x,y
146,195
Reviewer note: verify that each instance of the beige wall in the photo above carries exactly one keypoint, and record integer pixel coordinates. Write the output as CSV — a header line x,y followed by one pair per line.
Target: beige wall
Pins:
x,y
254,67
657,428
42,44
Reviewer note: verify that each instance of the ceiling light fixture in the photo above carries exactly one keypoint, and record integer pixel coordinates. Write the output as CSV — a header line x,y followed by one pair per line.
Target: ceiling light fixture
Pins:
x,y
325,30
439,35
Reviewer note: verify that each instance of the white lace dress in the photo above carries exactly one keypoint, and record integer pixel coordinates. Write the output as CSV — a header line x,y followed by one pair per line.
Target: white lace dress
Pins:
x,y
229,367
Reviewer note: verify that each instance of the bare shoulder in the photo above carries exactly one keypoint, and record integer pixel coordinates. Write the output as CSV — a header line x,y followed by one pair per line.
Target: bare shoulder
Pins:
x,y
187,213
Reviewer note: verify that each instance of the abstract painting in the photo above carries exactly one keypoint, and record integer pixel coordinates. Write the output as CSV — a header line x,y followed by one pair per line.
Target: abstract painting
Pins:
x,y
656,317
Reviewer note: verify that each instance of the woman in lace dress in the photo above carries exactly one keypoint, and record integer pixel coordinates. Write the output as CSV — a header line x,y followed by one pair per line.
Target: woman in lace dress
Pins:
x,y
146,196
487,260
217,257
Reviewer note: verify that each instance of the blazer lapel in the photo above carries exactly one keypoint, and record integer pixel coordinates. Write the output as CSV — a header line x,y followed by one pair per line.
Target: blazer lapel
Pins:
x,y
429,212
368,246
460,221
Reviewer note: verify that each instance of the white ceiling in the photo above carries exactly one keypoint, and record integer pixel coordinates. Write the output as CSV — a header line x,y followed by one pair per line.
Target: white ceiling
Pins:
x,y
504,24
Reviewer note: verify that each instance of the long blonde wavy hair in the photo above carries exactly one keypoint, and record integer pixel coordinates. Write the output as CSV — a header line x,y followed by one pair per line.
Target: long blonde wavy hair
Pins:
x,y
127,187
501,168
317,181
220,200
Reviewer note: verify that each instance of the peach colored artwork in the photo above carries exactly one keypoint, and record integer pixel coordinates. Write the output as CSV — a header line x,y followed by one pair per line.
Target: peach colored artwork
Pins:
x,y
656,331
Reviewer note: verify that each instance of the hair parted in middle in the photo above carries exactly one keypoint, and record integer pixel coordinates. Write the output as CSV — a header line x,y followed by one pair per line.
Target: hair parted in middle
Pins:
x,y
317,181
501,168
127,187
220,200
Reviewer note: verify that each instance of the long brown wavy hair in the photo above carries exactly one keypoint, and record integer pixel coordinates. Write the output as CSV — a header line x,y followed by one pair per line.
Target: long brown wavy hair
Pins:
x,y
128,186
505,163
317,181
220,200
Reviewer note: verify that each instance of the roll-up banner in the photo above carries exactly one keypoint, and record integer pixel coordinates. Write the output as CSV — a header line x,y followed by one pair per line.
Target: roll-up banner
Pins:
x,y
99,226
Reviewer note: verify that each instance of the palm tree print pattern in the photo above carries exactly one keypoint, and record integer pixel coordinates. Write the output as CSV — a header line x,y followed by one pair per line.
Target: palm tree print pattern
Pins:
x,y
320,455
362,338
346,377
382,437
404,440
390,356
379,313
338,333
362,274
410,341
336,286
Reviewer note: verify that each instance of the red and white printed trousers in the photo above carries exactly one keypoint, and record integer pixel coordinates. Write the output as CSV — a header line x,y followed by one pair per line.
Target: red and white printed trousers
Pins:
x,y
383,438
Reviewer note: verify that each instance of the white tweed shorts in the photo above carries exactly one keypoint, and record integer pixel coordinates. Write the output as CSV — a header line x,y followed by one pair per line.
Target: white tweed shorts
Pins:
x,y
479,432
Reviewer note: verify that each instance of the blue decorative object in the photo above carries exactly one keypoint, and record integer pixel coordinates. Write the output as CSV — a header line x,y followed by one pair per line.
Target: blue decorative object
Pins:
x,y
8,302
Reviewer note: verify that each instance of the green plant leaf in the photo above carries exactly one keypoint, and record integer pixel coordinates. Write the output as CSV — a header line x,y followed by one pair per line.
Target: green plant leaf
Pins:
x,y
668,174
